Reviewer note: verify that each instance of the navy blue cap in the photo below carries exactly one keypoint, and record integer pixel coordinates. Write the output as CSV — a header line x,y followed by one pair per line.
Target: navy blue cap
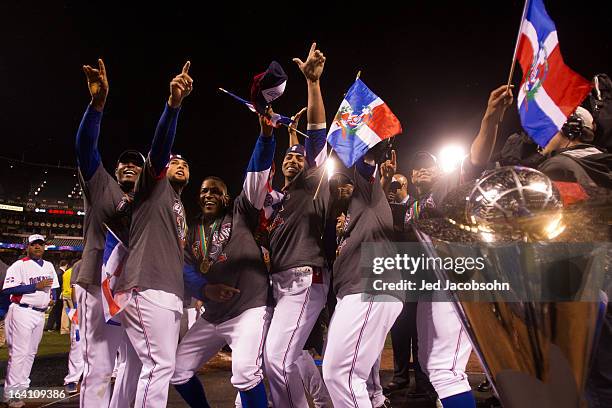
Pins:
x,y
268,86
296,149
132,156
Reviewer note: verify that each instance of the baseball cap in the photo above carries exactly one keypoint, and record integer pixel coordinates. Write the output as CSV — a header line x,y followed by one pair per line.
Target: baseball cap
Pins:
x,y
132,156
268,86
423,160
585,116
178,156
35,237
296,149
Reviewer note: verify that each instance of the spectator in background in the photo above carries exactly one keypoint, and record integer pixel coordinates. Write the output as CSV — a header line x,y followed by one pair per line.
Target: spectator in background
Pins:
x,y
54,321
66,302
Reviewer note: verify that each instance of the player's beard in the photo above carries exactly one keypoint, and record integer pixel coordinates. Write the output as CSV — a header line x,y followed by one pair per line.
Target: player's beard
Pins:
x,y
178,185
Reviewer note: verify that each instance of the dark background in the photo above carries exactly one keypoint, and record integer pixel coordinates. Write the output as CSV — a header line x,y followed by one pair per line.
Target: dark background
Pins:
x,y
434,65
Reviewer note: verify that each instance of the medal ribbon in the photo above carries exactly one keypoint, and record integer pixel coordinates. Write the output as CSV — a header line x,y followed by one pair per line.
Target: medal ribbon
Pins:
x,y
204,241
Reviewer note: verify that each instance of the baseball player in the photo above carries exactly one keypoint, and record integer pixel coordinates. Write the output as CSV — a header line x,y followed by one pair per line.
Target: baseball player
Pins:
x,y
443,345
153,269
361,320
234,286
299,279
29,281
103,195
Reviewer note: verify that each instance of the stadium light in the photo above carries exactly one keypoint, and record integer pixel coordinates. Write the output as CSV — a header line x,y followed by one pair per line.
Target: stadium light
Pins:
x,y
450,158
330,164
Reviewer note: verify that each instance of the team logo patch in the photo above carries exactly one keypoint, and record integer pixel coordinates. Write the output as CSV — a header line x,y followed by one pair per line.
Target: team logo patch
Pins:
x,y
181,223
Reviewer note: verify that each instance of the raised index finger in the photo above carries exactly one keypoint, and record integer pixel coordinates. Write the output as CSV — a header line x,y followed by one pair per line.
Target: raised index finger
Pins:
x,y
313,47
393,157
101,67
186,67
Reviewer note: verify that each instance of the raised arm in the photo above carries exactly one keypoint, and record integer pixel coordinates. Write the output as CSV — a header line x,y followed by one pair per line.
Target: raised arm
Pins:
x,y
88,156
387,170
312,69
180,87
258,171
293,137
484,143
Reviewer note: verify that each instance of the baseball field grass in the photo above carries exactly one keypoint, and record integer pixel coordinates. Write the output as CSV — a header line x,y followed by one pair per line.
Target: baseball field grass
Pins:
x,y
51,343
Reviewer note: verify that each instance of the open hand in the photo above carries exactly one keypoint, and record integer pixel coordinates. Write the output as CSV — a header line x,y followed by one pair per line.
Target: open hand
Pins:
x,y
97,82
44,284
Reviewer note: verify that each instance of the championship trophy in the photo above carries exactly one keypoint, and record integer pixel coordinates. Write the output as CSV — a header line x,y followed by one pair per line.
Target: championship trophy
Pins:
x,y
536,340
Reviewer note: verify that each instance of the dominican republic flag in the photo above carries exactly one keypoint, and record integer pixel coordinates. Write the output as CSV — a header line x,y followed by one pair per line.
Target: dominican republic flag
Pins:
x,y
550,91
362,121
113,260
74,319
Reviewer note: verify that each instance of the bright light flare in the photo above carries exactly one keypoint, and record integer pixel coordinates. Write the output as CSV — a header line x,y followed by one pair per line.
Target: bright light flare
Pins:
x,y
330,165
450,158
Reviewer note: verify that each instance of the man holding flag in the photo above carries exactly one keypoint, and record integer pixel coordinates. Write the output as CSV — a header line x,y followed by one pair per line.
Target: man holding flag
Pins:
x,y
103,194
360,136
298,273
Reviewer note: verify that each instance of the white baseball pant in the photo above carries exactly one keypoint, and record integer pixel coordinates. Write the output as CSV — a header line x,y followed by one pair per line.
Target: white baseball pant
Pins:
x,y
313,382
75,357
296,312
127,367
245,334
355,340
153,331
375,388
100,342
23,328
444,348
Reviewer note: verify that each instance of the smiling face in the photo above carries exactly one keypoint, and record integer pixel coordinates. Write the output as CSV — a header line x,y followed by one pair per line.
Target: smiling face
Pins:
x,y
178,171
127,174
213,198
293,163
36,249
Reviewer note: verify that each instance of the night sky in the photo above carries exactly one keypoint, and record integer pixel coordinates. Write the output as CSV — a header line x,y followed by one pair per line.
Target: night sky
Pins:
x,y
434,65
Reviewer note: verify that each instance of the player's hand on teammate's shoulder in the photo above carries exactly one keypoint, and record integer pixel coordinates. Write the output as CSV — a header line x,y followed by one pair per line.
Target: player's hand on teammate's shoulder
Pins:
x,y
180,87
218,292
97,82
44,284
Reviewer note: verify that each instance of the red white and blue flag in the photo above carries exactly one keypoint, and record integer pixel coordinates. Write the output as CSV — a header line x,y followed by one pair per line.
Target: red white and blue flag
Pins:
x,y
362,121
113,260
73,316
550,91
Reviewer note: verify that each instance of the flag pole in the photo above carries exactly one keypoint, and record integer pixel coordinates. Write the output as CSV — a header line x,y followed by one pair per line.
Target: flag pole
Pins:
x,y
518,37
296,131
245,102
316,194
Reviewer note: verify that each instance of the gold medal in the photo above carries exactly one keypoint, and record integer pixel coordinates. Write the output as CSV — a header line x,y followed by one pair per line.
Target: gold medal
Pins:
x,y
204,265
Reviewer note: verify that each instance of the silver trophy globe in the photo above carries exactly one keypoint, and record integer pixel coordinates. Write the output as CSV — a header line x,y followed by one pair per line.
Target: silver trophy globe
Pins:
x,y
535,341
